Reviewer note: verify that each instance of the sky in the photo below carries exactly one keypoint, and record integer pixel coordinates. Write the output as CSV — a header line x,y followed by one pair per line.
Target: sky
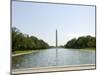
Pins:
x,y
42,20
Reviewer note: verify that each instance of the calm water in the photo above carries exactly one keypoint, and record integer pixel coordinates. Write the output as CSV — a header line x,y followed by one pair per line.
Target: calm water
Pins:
x,y
48,57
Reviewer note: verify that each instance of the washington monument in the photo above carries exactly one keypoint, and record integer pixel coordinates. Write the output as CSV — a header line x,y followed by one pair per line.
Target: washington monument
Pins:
x,y
56,46
56,38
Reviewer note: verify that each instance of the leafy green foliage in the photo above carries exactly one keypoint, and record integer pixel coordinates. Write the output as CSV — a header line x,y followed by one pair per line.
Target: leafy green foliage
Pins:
x,y
22,41
82,42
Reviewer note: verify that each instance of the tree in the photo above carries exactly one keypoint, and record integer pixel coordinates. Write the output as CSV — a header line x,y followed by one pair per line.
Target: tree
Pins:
x,y
82,42
22,41
71,43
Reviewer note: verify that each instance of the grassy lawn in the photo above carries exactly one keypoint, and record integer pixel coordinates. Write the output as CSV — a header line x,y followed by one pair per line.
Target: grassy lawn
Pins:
x,y
88,49
16,53
83,48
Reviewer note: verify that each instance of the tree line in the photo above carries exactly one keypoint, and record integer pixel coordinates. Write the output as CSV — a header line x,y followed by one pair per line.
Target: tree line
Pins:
x,y
81,42
22,41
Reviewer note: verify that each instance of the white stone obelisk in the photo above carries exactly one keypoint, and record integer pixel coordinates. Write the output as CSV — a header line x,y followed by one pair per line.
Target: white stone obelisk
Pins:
x,y
56,38
56,47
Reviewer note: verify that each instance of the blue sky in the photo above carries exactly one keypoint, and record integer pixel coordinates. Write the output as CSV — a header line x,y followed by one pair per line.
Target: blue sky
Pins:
x,y
42,20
